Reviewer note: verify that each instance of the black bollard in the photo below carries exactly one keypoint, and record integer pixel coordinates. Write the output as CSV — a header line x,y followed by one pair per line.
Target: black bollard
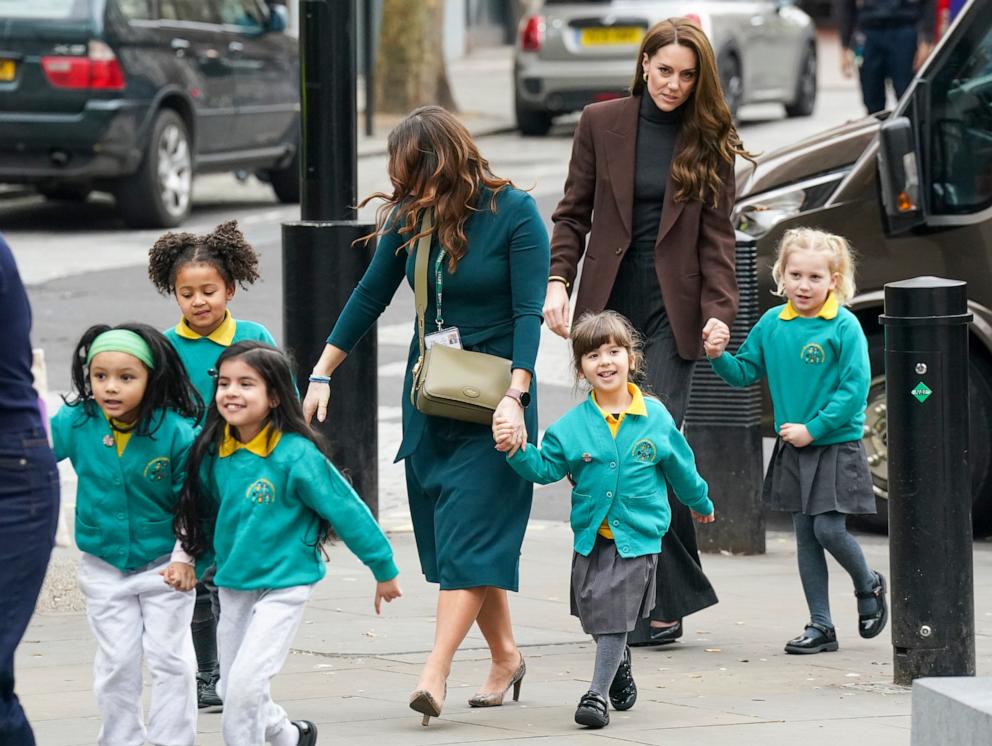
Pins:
x,y
723,426
321,262
930,541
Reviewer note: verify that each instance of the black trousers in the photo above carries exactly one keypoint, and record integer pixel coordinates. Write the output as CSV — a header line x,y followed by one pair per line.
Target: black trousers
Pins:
x,y
682,587
888,55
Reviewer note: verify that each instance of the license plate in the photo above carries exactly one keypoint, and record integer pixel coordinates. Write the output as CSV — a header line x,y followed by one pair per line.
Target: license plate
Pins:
x,y
606,36
7,69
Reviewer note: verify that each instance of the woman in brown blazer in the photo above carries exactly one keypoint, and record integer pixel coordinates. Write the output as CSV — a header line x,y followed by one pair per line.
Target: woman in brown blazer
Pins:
x,y
651,181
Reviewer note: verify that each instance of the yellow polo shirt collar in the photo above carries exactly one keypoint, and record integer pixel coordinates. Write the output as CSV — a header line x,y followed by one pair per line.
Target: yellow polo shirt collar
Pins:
x,y
636,406
261,445
222,335
827,311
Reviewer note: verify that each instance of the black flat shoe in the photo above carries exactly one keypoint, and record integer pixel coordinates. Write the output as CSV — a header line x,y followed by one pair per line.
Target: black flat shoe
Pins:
x,y
206,693
661,635
871,625
623,690
308,732
592,711
815,639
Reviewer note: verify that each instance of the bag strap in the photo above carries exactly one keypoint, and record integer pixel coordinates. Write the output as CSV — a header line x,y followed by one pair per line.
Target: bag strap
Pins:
x,y
420,275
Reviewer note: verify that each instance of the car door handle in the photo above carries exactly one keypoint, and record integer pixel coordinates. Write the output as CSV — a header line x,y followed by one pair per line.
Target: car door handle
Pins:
x,y
179,44
236,47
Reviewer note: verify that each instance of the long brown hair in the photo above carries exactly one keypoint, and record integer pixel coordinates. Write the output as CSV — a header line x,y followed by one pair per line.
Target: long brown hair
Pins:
x,y
708,138
433,163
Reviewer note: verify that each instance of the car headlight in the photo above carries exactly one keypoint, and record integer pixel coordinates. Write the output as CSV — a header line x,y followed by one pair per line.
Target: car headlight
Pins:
x,y
758,214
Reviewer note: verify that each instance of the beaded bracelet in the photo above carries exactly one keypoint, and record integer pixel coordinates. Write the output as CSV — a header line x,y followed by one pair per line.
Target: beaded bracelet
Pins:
x,y
320,379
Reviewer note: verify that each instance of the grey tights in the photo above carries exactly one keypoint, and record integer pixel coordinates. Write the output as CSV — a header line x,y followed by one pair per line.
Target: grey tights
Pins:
x,y
609,653
814,533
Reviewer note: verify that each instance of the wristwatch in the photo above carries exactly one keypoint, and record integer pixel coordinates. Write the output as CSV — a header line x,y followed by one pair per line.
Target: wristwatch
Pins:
x,y
520,397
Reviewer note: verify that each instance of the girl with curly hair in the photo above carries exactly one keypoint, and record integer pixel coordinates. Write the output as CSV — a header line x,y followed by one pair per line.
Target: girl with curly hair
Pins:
x,y
203,273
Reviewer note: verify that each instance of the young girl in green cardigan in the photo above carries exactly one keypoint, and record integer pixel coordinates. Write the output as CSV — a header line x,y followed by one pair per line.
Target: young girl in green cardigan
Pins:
x,y
815,357
263,494
617,448
127,432
202,273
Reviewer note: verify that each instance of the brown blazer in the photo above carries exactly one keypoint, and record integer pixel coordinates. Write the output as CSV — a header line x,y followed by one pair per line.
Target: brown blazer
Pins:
x,y
694,253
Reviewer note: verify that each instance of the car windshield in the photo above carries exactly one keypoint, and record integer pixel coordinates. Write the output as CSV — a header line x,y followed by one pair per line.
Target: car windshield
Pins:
x,y
62,10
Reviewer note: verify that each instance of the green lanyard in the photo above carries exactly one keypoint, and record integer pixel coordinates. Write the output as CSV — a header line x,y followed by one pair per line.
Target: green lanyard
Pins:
x,y
439,285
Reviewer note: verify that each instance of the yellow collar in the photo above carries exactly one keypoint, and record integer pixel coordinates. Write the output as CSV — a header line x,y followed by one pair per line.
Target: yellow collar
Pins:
x,y
222,335
827,311
636,404
261,445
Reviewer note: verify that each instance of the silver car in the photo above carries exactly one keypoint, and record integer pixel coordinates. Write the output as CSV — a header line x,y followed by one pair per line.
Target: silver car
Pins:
x,y
571,53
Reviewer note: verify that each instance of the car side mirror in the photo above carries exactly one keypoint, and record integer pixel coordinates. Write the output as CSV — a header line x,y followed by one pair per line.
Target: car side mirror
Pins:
x,y
899,176
278,18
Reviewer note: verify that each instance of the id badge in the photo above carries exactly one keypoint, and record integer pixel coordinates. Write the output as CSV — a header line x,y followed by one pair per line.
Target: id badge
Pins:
x,y
449,337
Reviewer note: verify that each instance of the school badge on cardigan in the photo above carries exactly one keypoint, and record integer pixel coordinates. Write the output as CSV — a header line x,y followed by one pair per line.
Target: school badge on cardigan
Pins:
x,y
157,469
262,491
645,451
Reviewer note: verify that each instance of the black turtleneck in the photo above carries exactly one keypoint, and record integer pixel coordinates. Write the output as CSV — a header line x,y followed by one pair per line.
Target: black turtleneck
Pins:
x,y
656,130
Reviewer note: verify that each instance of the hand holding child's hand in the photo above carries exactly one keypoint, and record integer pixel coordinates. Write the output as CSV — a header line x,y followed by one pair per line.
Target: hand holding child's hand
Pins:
x,y
179,575
700,518
794,434
386,590
716,337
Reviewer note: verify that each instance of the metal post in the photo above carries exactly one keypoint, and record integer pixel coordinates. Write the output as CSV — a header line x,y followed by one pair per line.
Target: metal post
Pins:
x,y
368,22
723,426
321,262
930,541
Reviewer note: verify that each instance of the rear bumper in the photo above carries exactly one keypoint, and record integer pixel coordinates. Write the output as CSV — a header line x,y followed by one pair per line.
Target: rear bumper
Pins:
x,y
104,140
562,87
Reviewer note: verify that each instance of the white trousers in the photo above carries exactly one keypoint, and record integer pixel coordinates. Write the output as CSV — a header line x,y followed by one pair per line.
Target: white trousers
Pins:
x,y
133,615
254,633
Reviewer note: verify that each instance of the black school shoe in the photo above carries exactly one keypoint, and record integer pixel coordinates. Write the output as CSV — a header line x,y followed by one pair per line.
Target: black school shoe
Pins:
x,y
206,693
308,732
592,711
623,690
871,625
662,635
815,639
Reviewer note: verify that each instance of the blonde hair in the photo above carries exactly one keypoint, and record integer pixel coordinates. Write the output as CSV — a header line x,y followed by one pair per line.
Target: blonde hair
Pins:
x,y
593,330
840,258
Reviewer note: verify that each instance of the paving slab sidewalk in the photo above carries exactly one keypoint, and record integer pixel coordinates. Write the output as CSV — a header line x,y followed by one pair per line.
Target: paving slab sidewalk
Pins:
x,y
726,682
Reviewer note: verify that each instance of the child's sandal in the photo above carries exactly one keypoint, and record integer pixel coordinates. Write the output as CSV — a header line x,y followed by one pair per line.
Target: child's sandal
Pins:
x,y
816,638
871,625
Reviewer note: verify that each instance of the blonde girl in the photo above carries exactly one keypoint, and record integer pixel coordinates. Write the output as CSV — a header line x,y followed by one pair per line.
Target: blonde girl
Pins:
x,y
815,357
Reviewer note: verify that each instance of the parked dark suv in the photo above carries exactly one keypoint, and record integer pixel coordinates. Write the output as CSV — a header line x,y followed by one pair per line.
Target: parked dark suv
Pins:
x,y
134,97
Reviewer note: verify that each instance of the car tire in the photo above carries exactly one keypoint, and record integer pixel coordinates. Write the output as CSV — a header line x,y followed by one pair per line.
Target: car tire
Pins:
x,y
805,100
285,181
532,122
65,192
732,82
876,439
160,193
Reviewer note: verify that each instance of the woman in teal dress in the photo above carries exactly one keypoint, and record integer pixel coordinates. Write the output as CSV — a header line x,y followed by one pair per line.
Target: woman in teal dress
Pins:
x,y
469,508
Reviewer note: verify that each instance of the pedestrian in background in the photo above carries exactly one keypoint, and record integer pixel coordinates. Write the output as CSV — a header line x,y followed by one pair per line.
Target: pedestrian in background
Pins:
x,y
887,40
127,431
29,492
618,448
489,261
651,181
815,356
202,273
263,496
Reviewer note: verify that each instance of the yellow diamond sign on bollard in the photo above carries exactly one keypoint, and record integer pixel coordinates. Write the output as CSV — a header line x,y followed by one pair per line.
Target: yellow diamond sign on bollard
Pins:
x,y
921,392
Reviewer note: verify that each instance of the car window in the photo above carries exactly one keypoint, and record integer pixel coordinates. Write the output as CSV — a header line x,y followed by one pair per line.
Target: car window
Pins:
x,y
244,13
56,9
961,116
197,11
136,10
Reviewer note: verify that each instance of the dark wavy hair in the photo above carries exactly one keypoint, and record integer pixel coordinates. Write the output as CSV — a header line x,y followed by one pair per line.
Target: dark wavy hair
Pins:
x,y
196,513
434,163
168,386
225,249
707,134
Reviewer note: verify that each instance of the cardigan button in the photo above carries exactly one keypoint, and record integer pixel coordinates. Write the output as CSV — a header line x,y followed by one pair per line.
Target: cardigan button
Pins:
x,y
613,464
625,549
121,516
609,494
616,522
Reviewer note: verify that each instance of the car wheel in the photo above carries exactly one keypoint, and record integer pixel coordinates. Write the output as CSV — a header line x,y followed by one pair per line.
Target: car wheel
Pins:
x,y
532,122
159,194
732,82
285,181
65,192
805,100
875,439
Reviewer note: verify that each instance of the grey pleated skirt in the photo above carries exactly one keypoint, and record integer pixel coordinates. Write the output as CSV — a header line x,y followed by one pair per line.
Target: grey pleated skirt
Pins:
x,y
610,593
819,479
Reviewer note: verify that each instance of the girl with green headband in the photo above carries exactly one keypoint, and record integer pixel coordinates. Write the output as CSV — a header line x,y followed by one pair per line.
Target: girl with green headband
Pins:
x,y
126,429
